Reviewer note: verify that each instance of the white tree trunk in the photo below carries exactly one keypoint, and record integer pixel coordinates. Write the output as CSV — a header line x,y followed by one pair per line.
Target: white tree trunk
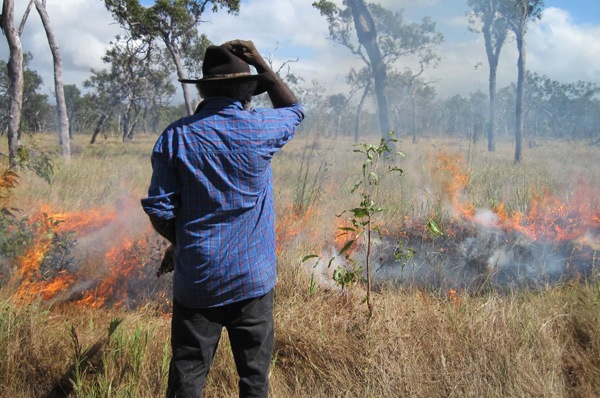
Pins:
x,y
15,74
61,106
174,51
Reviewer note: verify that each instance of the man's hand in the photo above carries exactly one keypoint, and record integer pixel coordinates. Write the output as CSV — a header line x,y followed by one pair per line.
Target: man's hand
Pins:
x,y
280,94
246,50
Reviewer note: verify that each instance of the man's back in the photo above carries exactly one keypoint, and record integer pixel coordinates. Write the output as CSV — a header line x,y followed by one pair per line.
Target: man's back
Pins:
x,y
220,160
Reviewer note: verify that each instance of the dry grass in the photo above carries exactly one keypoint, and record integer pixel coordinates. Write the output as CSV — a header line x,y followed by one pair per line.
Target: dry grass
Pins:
x,y
542,343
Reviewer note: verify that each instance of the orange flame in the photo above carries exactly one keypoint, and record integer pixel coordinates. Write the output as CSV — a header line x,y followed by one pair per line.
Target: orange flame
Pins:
x,y
548,218
82,222
452,179
123,261
46,223
290,225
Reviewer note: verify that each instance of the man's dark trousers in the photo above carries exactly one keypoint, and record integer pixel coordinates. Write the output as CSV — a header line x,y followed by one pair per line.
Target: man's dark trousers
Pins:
x,y
195,335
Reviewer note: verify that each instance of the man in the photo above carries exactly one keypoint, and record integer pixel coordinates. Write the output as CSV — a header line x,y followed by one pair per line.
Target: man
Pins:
x,y
211,195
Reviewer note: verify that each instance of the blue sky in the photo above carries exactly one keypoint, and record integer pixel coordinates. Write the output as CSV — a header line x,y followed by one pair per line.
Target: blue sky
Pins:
x,y
564,45
582,11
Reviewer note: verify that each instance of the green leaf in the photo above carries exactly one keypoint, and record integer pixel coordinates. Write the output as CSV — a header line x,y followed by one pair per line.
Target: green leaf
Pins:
x,y
374,177
306,258
377,229
347,246
330,261
347,229
398,169
341,214
359,212
435,228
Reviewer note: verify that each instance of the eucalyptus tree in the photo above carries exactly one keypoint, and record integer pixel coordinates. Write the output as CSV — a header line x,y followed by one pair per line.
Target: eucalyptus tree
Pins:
x,y
409,93
562,110
366,32
454,110
15,76
518,13
477,102
582,116
36,110
72,103
359,80
35,104
486,18
105,97
61,107
137,79
379,37
175,23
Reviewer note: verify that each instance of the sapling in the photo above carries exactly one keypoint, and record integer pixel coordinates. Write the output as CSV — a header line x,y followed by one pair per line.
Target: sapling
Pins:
x,y
376,164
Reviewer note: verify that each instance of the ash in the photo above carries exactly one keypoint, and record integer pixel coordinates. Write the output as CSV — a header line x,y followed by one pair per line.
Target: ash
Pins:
x,y
479,259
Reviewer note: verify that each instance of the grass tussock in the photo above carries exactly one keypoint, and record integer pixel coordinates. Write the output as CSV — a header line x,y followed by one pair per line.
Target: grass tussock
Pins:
x,y
417,343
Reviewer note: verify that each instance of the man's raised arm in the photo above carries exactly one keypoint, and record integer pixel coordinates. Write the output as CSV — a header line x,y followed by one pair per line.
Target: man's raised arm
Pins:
x,y
280,94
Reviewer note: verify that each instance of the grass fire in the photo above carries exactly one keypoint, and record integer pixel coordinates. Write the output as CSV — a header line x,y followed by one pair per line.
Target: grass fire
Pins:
x,y
505,289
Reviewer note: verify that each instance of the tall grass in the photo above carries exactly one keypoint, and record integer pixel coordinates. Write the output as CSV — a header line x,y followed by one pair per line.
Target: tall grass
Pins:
x,y
543,343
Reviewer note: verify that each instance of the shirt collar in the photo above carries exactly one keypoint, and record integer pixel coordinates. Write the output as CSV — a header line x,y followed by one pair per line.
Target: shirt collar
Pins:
x,y
217,103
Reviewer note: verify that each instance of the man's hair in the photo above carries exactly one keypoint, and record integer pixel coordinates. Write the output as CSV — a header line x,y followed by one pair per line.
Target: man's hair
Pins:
x,y
240,90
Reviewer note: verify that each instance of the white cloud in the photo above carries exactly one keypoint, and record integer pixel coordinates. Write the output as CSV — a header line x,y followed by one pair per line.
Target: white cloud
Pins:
x,y
555,46
563,50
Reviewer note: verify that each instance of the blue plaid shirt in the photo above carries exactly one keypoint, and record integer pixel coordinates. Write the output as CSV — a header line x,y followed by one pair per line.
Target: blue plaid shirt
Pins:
x,y
212,175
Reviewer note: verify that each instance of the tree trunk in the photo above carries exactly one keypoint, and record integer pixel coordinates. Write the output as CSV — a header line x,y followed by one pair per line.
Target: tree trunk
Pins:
x,y
15,75
359,111
125,127
520,102
413,101
61,105
491,125
174,51
492,51
367,36
131,124
99,126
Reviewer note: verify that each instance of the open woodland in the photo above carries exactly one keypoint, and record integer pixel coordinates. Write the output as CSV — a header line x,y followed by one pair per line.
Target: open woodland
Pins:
x,y
465,266
502,301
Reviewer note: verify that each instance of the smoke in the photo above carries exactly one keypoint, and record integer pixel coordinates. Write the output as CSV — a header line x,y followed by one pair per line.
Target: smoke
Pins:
x,y
480,256
114,259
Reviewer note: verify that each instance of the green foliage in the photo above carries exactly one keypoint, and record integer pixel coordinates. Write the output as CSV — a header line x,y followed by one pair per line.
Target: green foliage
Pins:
x,y
402,253
18,234
42,162
347,277
15,234
173,22
396,38
363,217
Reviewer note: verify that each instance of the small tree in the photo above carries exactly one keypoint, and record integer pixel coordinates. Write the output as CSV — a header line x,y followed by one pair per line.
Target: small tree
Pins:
x,y
364,218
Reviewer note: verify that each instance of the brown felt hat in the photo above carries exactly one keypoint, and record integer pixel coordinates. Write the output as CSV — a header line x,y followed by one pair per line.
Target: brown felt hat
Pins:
x,y
221,64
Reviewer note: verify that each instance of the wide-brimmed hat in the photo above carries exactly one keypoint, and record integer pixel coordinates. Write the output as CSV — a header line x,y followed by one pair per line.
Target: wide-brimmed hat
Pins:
x,y
221,64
